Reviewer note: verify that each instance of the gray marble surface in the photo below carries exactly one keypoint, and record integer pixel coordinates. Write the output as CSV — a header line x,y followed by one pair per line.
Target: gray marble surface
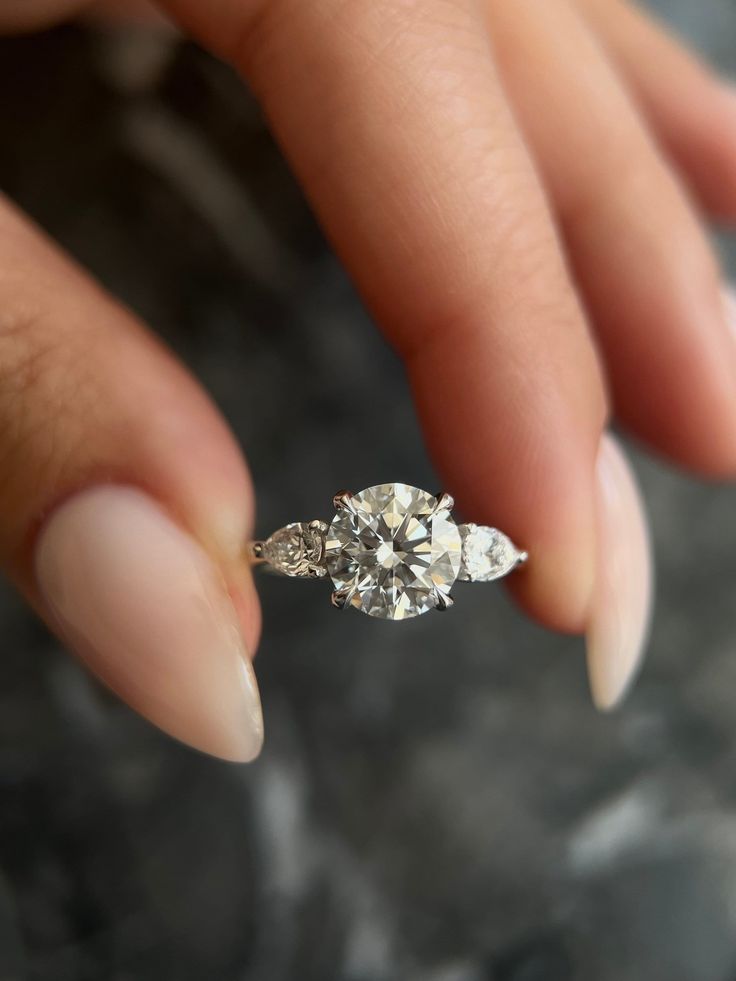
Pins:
x,y
436,801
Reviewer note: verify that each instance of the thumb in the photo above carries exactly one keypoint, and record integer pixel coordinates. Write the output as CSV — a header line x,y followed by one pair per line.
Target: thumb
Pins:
x,y
124,502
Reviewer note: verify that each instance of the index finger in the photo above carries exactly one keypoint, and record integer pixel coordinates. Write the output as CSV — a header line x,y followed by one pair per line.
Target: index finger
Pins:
x,y
394,119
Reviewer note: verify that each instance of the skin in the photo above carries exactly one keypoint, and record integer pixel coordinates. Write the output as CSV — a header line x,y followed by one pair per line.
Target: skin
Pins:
x,y
511,186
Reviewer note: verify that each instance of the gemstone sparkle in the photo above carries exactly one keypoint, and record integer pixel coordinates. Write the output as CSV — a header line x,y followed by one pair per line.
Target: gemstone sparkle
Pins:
x,y
394,553
488,554
295,550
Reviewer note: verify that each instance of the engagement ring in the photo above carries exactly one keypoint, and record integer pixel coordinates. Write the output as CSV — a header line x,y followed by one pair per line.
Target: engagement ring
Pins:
x,y
392,551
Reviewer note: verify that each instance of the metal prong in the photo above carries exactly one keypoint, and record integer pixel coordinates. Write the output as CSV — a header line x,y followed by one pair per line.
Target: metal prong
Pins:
x,y
343,501
442,601
256,551
320,526
340,598
445,502
522,558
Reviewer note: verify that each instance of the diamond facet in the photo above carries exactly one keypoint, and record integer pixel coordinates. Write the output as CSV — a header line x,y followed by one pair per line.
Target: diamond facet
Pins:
x,y
487,554
296,550
394,555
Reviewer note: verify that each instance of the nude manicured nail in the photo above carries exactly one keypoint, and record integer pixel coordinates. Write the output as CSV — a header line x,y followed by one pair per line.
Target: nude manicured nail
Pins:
x,y
620,614
144,606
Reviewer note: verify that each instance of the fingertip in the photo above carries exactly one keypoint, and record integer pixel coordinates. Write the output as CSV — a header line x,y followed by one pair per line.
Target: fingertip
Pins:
x,y
546,505
554,588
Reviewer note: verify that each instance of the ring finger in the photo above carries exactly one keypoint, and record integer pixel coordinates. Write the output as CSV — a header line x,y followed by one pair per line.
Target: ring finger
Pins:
x,y
639,252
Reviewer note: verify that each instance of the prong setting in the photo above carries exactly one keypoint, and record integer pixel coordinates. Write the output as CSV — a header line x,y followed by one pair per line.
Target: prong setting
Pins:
x,y
340,598
343,501
442,601
445,502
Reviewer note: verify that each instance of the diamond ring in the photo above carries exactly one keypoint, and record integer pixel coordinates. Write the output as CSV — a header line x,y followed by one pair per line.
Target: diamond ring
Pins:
x,y
392,551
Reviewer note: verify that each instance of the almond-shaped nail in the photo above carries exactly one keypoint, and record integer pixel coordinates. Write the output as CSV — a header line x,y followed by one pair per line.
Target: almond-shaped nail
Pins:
x,y
144,606
620,613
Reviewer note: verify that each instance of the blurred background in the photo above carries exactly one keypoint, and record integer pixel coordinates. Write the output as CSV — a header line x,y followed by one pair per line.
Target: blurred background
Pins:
x,y
437,800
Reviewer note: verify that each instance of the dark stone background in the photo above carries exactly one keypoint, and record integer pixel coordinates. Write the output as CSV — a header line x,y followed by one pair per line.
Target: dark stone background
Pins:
x,y
437,801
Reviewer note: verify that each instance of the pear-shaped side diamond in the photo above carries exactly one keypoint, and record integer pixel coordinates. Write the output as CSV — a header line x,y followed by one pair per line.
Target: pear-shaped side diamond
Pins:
x,y
487,554
297,550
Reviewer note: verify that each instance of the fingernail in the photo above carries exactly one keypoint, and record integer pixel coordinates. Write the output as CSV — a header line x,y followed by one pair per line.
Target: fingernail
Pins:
x,y
619,621
143,605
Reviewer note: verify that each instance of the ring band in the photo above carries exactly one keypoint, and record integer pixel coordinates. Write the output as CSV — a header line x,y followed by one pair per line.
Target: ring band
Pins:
x,y
392,551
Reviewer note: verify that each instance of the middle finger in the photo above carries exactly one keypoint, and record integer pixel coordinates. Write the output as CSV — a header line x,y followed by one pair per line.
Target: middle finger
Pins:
x,y
393,117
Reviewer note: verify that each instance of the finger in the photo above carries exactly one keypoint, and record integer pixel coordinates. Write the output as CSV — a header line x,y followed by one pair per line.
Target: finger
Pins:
x,y
641,257
692,111
32,15
124,503
395,122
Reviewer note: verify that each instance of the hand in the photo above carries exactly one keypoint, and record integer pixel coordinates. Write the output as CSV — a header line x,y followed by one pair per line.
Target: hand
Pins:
x,y
509,184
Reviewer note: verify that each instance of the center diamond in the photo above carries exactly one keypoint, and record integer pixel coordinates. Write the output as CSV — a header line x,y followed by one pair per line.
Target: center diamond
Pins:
x,y
394,552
